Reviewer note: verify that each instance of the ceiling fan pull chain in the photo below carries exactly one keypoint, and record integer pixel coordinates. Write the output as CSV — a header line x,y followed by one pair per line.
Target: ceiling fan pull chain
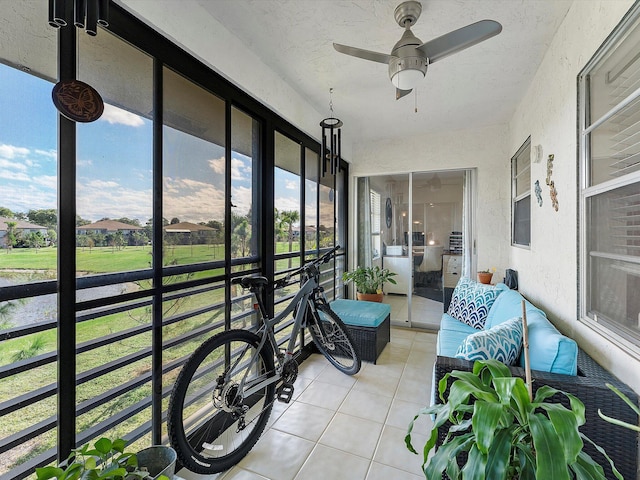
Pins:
x,y
416,104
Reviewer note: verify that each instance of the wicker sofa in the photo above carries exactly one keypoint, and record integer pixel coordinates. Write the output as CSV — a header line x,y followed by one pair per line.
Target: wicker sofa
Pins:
x,y
588,384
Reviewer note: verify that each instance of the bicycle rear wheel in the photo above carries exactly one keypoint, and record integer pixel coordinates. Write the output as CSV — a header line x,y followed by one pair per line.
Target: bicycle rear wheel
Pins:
x,y
213,423
333,339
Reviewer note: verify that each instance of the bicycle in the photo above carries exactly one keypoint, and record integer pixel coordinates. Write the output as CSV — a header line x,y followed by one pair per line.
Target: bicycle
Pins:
x,y
223,396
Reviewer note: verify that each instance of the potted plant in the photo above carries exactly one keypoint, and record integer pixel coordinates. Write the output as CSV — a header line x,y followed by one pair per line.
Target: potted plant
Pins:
x,y
503,433
369,282
484,276
107,460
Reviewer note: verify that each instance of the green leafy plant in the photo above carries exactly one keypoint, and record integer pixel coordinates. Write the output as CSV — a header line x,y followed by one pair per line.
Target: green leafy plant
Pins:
x,y
369,279
504,433
106,460
615,421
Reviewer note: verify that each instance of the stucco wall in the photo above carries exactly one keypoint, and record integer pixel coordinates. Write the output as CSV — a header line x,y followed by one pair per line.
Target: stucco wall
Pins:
x,y
548,273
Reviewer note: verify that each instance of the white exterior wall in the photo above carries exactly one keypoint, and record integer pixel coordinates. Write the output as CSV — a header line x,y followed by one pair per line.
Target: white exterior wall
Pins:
x,y
548,273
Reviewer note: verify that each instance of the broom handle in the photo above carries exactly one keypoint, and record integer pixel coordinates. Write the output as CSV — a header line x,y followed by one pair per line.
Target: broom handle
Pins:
x,y
525,345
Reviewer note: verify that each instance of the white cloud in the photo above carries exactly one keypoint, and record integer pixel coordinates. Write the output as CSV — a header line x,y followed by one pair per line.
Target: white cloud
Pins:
x,y
291,185
13,165
49,181
287,203
84,163
217,165
10,151
115,115
192,201
239,171
7,175
52,154
102,184
241,198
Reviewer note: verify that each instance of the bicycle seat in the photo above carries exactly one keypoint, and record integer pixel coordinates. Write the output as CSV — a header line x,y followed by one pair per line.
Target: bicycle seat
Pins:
x,y
250,282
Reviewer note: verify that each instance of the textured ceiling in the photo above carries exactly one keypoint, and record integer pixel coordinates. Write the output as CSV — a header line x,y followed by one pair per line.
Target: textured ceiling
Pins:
x,y
479,86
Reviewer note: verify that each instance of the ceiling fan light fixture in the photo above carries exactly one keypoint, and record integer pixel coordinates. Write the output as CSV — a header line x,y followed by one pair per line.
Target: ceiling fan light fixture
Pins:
x,y
406,73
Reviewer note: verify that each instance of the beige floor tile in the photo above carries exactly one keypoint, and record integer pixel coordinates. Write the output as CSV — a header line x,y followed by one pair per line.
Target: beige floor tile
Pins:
x,y
324,395
352,435
326,463
385,472
239,474
313,366
377,384
392,450
335,377
277,455
366,405
402,413
418,391
304,420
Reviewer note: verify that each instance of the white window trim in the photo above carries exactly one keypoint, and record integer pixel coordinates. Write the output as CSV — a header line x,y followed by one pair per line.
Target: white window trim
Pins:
x,y
514,200
586,192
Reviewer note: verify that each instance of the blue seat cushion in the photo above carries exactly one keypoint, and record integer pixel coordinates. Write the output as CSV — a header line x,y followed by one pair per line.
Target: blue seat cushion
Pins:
x,y
360,313
451,334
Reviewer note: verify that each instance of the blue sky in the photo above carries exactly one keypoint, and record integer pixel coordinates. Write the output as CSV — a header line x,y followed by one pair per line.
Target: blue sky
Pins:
x,y
114,176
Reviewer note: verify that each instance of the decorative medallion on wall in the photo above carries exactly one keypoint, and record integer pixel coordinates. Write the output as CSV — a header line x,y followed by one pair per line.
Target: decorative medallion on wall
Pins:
x,y
538,191
552,187
388,212
77,101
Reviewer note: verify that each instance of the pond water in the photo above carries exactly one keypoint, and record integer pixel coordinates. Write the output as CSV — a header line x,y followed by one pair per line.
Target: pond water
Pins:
x,y
44,308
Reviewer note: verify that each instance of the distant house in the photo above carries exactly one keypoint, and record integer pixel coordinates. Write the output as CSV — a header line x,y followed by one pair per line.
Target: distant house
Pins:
x,y
25,228
107,227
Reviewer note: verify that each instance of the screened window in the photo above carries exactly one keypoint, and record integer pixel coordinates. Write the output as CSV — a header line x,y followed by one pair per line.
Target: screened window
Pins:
x,y
610,184
521,196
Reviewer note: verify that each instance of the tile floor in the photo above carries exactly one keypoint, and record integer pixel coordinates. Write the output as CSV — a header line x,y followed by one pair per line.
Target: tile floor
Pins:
x,y
425,313
339,427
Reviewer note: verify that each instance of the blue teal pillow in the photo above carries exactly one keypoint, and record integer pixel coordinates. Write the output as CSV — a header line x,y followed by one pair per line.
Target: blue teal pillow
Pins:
x,y
471,301
502,342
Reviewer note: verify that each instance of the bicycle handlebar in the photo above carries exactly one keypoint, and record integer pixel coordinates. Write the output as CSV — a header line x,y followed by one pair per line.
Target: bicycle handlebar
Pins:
x,y
283,282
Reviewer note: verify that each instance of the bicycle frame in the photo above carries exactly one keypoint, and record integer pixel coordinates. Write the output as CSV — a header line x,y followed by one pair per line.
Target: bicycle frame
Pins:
x,y
267,332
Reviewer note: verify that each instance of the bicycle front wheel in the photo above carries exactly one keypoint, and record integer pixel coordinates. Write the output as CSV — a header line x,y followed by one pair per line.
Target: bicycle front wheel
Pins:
x,y
333,339
221,401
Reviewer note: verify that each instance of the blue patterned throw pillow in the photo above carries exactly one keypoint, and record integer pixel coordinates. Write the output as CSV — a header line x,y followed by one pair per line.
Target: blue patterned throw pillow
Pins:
x,y
471,301
502,342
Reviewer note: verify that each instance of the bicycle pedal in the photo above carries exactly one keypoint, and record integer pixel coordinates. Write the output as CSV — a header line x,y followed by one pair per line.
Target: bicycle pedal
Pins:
x,y
284,393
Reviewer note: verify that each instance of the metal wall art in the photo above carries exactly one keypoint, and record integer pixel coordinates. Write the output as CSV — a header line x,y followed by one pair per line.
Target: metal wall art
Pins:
x,y
538,190
87,14
552,187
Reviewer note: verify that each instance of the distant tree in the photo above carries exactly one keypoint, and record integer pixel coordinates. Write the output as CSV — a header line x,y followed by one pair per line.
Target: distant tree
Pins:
x,y
82,221
139,238
241,231
47,217
288,218
82,241
118,240
5,212
52,235
11,237
34,240
19,216
129,221
104,219
175,220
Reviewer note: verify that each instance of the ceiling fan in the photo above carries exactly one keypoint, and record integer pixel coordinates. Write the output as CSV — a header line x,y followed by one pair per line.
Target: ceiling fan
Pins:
x,y
410,57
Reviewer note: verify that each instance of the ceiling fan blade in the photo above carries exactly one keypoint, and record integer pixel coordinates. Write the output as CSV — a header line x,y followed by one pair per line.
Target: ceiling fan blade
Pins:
x,y
458,40
402,93
361,53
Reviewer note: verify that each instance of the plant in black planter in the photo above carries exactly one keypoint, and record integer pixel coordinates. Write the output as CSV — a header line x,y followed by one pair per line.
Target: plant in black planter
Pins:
x,y
107,460
503,432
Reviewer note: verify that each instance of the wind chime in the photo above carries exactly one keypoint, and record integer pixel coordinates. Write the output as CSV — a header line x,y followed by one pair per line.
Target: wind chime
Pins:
x,y
331,146
87,14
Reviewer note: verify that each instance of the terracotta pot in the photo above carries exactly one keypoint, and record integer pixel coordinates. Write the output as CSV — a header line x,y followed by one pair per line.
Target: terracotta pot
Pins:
x,y
369,297
484,277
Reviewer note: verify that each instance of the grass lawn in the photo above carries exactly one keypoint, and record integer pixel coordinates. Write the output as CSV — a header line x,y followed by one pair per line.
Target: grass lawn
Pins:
x,y
26,264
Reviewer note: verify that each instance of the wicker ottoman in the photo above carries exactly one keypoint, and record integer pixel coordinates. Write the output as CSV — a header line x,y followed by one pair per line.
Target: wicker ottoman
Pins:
x,y
369,324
